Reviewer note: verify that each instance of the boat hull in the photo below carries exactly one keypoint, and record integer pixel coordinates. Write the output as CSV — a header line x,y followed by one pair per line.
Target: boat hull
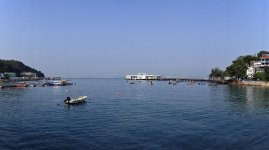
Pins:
x,y
78,100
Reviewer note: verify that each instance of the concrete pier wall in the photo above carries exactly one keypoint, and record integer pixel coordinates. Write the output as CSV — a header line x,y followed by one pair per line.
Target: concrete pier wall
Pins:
x,y
255,83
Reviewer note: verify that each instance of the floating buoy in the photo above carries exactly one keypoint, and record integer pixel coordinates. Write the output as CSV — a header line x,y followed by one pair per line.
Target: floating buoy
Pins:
x,y
117,92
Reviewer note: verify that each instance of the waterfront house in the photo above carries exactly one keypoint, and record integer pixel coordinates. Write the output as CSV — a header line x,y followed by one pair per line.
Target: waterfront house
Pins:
x,y
258,66
142,76
250,72
264,60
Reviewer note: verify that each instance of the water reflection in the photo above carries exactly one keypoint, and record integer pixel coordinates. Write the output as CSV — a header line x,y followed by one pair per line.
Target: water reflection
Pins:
x,y
248,96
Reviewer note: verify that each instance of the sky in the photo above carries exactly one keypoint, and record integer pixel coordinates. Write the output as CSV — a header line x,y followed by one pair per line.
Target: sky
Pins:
x,y
112,38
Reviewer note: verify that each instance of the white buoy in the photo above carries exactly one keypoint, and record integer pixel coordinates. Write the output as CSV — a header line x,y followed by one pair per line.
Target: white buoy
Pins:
x,y
117,92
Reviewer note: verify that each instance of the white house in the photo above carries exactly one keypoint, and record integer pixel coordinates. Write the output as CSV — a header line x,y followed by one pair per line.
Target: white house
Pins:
x,y
250,72
258,66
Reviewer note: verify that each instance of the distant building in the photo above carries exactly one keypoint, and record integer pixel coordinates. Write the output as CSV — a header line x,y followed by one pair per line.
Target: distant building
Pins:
x,y
250,72
264,60
258,66
28,74
142,76
10,74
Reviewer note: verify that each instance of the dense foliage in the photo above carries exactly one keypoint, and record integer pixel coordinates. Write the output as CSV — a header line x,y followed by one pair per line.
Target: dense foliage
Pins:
x,y
17,67
263,76
216,73
238,68
249,58
260,76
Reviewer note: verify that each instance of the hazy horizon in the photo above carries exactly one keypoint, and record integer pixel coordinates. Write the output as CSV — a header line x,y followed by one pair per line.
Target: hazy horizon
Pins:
x,y
114,38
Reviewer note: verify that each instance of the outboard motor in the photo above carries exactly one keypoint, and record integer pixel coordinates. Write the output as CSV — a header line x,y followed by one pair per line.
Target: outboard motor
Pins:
x,y
67,99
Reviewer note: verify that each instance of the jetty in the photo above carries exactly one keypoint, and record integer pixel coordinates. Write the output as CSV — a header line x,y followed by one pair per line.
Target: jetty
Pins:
x,y
144,76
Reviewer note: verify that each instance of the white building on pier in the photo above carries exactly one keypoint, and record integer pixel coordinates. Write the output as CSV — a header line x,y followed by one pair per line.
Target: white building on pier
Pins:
x,y
143,76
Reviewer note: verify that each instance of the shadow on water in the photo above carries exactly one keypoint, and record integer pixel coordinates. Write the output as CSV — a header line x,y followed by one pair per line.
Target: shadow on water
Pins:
x,y
70,106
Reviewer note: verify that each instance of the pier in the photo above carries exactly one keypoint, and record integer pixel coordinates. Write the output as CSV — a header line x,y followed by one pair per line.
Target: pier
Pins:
x,y
185,79
144,76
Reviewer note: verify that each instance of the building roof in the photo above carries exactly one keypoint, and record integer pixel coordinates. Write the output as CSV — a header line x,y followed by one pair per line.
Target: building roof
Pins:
x,y
265,56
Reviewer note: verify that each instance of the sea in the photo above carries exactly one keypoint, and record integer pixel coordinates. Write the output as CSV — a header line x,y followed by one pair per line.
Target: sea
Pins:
x,y
120,115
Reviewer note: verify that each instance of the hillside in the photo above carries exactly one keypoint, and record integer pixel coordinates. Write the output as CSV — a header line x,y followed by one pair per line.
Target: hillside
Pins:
x,y
17,67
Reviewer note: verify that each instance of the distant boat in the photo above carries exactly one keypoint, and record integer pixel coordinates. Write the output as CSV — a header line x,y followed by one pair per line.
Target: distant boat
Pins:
x,y
213,84
76,100
66,82
190,83
57,83
21,84
201,83
132,82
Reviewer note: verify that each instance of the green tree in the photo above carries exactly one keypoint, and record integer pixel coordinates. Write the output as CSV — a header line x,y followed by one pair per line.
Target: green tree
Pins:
x,y
260,76
249,58
17,67
266,73
216,72
238,68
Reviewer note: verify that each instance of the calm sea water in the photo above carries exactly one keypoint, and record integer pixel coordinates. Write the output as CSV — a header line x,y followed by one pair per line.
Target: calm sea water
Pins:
x,y
119,115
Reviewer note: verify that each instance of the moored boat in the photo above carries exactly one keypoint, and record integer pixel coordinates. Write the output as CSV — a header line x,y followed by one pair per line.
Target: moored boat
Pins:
x,y
21,84
76,100
57,83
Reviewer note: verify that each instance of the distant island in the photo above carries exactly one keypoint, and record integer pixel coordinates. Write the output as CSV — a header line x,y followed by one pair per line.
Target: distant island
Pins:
x,y
14,68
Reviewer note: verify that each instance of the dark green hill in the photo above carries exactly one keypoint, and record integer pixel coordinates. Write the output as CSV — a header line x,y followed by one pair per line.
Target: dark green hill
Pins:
x,y
17,67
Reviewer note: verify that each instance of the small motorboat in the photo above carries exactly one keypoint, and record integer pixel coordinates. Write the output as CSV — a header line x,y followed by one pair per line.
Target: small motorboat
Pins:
x,y
21,84
76,100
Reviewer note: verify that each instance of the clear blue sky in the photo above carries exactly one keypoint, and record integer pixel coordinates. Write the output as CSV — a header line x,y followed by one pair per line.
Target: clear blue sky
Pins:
x,y
86,38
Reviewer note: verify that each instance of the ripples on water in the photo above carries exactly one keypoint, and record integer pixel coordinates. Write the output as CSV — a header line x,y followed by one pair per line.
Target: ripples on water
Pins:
x,y
140,116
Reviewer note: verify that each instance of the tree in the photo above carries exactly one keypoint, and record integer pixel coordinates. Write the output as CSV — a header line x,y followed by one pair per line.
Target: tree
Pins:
x,y
266,73
260,76
249,58
238,68
17,67
216,72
